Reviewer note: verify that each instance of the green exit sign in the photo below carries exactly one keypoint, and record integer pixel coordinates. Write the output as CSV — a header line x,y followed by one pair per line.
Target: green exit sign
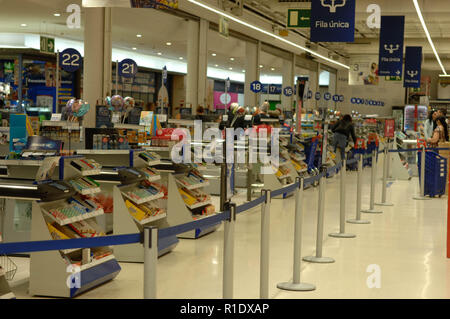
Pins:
x,y
299,18
47,45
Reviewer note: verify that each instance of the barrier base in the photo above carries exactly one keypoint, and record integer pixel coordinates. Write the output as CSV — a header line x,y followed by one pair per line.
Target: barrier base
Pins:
x,y
384,204
358,221
296,287
371,211
418,197
319,260
342,235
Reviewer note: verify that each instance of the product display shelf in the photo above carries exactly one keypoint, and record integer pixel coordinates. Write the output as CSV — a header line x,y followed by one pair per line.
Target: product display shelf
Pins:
x,y
63,124
180,212
273,182
83,269
124,222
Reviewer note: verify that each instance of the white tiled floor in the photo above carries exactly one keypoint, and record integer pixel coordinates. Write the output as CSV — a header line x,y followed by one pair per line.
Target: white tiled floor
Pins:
x,y
407,242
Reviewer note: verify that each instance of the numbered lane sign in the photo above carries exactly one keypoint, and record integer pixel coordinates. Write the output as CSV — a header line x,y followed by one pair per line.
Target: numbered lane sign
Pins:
x,y
70,60
256,87
336,98
353,100
327,96
288,91
318,96
341,98
127,68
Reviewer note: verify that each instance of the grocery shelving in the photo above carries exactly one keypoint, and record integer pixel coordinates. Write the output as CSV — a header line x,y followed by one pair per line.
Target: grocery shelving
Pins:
x,y
72,216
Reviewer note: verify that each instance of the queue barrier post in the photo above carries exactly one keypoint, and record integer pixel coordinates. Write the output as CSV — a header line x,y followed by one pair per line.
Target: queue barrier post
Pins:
x,y
318,258
150,261
265,240
228,254
373,174
296,284
385,173
342,233
358,219
422,196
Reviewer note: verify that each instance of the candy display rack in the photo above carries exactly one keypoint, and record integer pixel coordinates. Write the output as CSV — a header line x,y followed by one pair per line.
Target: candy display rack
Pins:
x,y
70,216
189,203
132,214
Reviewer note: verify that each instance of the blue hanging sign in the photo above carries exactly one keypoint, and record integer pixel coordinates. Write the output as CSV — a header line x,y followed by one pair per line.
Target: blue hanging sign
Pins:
x,y
335,98
288,91
327,96
353,100
333,20
318,96
164,75
341,98
413,67
70,60
127,68
274,89
256,87
391,45
310,95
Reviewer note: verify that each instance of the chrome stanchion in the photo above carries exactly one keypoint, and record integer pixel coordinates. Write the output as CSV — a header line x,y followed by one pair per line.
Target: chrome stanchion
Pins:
x,y
228,254
320,221
358,219
422,196
150,261
342,233
296,285
389,175
384,185
264,256
373,176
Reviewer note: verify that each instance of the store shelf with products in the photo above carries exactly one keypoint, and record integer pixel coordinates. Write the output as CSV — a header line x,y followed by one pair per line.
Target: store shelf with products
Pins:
x,y
73,216
186,205
130,214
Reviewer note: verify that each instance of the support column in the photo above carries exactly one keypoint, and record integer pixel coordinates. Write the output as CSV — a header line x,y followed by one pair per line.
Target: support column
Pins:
x,y
288,80
97,59
252,61
197,58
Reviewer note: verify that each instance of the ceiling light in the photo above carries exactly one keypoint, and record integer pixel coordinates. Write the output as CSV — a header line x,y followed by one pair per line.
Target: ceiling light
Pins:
x,y
169,43
444,75
213,54
231,59
181,58
57,14
139,35
261,66
133,48
230,69
23,25
251,26
419,13
272,69
243,71
216,65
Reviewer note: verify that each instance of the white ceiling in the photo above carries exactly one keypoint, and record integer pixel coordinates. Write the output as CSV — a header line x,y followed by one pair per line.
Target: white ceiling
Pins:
x,y
158,27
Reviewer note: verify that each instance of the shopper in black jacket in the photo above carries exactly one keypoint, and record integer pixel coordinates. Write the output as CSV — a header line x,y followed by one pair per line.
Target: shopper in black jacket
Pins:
x,y
342,131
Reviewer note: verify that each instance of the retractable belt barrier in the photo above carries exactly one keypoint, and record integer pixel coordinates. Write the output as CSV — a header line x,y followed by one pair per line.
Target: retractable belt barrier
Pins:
x,y
151,235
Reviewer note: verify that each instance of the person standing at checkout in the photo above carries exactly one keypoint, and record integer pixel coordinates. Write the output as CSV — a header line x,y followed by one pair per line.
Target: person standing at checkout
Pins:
x,y
342,131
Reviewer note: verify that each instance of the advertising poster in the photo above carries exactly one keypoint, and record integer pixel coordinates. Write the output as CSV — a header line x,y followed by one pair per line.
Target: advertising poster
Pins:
x,y
389,128
363,71
222,100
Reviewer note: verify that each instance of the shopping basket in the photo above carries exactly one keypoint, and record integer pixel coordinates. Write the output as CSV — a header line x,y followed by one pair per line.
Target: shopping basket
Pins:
x,y
435,173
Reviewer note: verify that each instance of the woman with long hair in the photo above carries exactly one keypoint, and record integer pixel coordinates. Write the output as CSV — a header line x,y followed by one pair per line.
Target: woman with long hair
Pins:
x,y
440,134
430,125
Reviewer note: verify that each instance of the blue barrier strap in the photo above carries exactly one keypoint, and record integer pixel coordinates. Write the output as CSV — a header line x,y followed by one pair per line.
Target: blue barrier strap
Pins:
x,y
285,190
352,161
60,244
244,207
308,182
419,149
201,223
